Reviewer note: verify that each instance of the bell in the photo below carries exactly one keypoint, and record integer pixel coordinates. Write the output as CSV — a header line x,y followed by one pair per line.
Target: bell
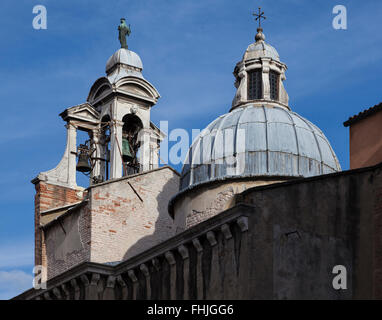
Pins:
x,y
127,151
83,163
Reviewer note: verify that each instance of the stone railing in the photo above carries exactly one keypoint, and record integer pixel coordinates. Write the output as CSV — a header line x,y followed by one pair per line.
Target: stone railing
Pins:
x,y
208,261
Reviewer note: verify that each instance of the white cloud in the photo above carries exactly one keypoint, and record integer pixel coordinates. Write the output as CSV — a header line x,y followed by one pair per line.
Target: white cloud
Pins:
x,y
14,257
14,282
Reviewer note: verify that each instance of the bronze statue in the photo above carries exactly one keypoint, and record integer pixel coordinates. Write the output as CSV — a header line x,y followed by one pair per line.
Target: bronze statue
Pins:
x,y
124,30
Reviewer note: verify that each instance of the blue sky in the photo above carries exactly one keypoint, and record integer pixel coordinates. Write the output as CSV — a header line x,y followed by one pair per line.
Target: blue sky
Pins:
x,y
189,49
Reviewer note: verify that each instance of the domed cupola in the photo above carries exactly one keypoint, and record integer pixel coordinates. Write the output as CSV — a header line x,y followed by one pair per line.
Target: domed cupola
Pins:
x,y
260,49
259,141
124,63
260,75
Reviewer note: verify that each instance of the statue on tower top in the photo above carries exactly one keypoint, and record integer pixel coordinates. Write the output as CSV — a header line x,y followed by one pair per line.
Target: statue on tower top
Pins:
x,y
124,30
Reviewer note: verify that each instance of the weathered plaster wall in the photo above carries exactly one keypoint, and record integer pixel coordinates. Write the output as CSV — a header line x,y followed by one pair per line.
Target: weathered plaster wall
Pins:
x,y
130,215
208,261
202,203
280,242
120,219
366,141
49,196
305,228
68,241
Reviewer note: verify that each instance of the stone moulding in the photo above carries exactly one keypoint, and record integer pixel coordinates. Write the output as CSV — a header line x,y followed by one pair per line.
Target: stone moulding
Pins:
x,y
170,270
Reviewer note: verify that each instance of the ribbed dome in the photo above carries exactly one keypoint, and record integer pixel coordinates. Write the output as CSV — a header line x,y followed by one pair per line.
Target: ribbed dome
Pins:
x,y
125,57
263,141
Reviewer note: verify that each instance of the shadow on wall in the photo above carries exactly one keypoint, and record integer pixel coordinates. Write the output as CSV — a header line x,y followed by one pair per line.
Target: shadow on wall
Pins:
x,y
164,227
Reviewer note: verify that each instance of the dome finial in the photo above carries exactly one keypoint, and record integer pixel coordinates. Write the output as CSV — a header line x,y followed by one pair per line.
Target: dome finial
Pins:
x,y
259,36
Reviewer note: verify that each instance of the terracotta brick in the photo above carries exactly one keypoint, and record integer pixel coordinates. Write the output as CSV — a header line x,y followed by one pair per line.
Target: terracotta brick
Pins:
x,y
129,219
49,197
114,221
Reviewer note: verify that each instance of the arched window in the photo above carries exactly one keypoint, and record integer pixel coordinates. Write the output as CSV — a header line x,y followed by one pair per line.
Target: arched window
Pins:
x,y
274,85
131,143
255,88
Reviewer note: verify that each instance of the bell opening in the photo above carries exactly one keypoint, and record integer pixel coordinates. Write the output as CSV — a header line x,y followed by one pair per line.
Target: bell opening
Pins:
x,y
131,143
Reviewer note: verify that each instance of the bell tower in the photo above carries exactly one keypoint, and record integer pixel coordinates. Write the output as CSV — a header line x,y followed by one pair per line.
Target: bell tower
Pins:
x,y
126,141
122,139
73,224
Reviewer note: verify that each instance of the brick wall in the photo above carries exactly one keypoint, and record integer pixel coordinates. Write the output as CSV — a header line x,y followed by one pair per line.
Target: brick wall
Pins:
x,y
68,241
130,215
366,142
281,244
49,196
120,219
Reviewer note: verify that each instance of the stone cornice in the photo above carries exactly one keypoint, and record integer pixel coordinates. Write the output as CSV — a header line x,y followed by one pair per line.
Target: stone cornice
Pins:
x,y
237,215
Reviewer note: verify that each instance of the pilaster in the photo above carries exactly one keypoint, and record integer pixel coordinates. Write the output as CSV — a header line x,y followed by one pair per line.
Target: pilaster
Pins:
x,y
116,149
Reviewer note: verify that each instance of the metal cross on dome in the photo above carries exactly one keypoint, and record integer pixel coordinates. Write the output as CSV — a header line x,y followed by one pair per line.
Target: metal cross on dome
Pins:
x,y
259,16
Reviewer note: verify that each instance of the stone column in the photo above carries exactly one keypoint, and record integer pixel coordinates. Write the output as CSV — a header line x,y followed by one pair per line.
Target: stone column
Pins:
x,y
116,149
172,264
144,160
213,289
199,268
154,154
99,165
265,74
183,251
283,95
135,284
243,260
243,88
72,150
